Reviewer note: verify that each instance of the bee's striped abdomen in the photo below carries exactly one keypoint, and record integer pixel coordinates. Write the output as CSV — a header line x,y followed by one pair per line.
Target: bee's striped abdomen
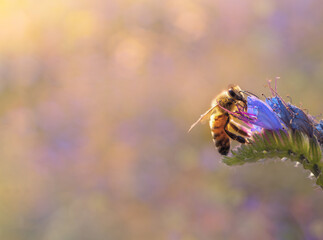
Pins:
x,y
221,139
222,142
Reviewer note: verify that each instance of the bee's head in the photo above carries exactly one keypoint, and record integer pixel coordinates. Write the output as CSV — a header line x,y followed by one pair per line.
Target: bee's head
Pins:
x,y
235,93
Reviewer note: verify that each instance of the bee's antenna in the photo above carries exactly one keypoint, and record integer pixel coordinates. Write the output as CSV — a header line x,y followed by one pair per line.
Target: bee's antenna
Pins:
x,y
264,95
249,93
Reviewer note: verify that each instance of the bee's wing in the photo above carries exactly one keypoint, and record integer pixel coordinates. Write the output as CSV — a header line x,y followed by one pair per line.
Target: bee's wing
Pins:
x,y
203,117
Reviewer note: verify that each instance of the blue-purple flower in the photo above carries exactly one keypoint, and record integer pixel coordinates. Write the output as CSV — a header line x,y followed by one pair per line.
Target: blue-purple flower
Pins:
x,y
292,116
299,140
319,132
264,116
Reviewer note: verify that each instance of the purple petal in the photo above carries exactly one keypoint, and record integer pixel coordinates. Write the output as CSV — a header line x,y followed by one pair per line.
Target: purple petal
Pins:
x,y
266,117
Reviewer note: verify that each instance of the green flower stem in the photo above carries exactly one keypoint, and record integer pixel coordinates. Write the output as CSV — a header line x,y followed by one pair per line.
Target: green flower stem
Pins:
x,y
285,145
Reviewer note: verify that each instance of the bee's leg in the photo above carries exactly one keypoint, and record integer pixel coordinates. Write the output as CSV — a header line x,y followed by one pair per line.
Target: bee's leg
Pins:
x,y
232,135
235,137
239,129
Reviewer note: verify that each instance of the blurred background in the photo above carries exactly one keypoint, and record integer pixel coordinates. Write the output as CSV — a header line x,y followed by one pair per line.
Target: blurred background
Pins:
x,y
96,98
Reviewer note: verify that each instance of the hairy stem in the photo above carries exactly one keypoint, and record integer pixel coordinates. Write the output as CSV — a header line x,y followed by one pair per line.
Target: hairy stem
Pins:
x,y
285,145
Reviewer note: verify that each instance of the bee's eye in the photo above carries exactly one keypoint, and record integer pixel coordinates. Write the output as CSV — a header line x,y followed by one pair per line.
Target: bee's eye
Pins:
x,y
232,93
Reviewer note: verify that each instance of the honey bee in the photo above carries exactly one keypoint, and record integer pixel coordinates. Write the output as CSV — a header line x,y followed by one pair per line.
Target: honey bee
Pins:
x,y
221,119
